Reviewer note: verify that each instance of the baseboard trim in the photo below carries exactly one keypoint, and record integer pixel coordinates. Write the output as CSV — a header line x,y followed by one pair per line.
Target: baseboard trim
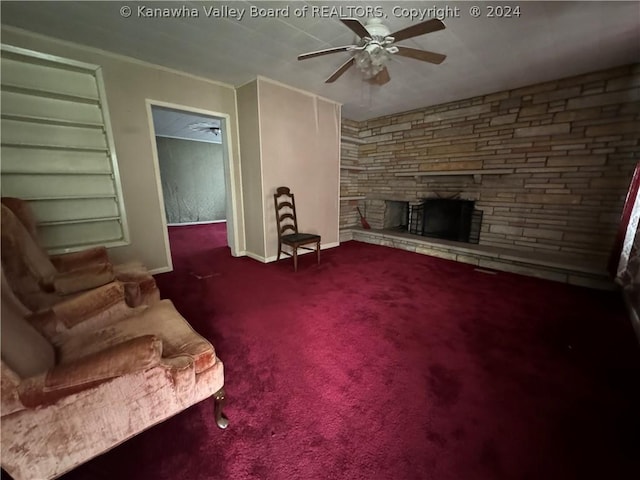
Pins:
x,y
156,271
255,256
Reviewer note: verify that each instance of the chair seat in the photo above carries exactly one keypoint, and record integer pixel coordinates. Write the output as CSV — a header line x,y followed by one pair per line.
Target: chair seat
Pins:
x,y
300,238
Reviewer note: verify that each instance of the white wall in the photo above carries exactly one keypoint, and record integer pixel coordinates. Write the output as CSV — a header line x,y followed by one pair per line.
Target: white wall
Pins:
x,y
128,85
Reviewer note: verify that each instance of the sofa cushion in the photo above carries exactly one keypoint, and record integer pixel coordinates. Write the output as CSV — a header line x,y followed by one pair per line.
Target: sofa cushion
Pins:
x,y
161,319
83,278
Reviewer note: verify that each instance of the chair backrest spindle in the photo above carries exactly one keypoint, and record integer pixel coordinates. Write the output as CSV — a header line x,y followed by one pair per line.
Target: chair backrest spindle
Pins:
x,y
285,205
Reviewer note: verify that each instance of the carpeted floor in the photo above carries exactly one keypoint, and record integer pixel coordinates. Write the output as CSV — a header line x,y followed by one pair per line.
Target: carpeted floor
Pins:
x,y
383,364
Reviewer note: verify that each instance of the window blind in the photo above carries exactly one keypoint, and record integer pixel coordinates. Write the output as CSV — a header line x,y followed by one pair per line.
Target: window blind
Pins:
x,y
57,150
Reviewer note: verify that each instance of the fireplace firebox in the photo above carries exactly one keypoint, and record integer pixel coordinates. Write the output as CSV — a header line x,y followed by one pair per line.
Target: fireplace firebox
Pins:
x,y
446,218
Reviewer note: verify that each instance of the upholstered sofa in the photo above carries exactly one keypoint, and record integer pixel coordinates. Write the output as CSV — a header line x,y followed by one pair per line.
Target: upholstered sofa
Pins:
x,y
40,281
91,372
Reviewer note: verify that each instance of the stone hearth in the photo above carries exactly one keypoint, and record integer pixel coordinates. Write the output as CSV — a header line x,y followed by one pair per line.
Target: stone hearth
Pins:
x,y
560,268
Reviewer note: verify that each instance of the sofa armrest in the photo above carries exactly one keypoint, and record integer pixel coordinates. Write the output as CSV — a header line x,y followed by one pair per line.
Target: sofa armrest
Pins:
x,y
85,278
72,261
73,311
131,356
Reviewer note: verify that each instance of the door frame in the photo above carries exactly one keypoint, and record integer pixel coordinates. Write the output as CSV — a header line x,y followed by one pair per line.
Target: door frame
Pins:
x,y
233,197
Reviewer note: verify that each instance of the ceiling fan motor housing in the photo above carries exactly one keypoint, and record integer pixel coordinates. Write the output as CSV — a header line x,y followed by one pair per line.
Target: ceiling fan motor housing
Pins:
x,y
377,29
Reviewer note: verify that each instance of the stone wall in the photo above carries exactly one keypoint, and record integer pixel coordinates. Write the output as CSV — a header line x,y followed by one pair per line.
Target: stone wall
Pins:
x,y
555,160
350,186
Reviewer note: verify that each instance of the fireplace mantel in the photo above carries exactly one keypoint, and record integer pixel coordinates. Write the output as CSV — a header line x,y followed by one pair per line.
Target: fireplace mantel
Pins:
x,y
476,174
354,140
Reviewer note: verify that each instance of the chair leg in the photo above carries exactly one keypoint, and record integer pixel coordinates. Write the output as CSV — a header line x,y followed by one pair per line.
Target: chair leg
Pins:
x,y
318,252
295,259
279,251
219,400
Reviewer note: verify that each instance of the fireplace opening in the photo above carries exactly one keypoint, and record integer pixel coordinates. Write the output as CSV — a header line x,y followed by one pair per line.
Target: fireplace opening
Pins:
x,y
446,218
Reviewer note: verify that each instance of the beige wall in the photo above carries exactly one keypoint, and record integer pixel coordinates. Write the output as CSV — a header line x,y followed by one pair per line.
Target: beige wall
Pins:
x,y
299,137
128,85
300,149
251,168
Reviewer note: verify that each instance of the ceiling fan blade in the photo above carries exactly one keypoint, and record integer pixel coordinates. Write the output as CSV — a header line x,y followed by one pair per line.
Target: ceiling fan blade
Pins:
x,y
343,68
429,26
381,78
356,27
327,51
423,55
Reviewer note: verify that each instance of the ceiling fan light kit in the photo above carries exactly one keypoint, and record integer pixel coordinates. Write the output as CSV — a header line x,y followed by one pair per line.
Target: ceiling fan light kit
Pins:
x,y
376,46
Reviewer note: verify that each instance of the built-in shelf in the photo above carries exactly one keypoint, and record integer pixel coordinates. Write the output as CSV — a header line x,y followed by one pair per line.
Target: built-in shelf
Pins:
x,y
357,141
476,174
354,197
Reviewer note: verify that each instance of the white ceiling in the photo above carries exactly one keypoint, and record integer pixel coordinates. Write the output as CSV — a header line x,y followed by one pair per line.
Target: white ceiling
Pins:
x,y
549,40
172,123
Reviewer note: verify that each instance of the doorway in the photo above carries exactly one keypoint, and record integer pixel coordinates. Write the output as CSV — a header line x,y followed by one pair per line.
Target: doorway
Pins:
x,y
192,159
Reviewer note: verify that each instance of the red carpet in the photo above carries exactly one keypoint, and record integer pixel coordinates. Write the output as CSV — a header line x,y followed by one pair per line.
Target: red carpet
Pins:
x,y
383,364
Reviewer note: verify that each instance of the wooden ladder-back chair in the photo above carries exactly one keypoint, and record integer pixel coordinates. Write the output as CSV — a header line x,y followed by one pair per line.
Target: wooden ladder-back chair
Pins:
x,y
287,222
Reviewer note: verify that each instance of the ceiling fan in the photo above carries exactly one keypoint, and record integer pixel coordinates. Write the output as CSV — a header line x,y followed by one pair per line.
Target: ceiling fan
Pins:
x,y
375,47
206,127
